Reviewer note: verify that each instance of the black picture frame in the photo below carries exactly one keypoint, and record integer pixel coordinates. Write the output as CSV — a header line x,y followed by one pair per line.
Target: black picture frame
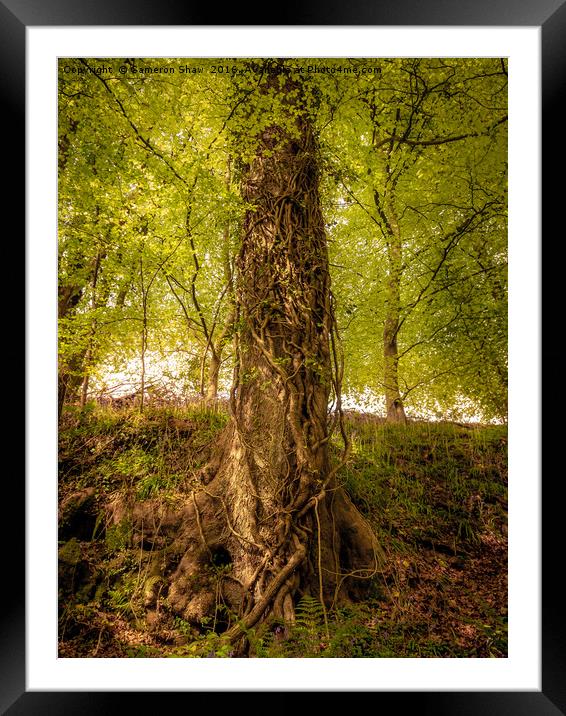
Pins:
x,y
550,16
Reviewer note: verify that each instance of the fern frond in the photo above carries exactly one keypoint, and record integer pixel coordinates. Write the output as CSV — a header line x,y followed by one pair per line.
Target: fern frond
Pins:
x,y
309,614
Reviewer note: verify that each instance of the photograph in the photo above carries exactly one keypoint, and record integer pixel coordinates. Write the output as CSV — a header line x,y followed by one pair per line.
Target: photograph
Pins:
x,y
282,362
285,377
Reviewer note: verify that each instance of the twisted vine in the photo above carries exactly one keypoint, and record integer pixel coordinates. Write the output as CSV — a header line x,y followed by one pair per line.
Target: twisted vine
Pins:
x,y
288,365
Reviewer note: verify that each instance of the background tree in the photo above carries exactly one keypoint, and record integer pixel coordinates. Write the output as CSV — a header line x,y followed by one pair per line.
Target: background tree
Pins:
x,y
163,199
424,188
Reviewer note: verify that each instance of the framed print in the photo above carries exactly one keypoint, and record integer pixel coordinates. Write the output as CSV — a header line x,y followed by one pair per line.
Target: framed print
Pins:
x,y
527,678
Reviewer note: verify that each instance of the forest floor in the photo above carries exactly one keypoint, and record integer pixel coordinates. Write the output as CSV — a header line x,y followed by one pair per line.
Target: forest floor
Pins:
x,y
435,494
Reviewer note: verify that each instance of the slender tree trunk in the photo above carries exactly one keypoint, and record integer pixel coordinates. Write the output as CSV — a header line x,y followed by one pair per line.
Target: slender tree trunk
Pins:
x,y
393,400
142,359
288,528
213,376
86,380
216,351
143,346
69,297
95,303
69,381
394,407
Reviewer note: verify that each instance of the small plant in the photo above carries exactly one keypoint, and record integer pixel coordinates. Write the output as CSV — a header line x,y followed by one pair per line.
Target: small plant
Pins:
x,y
119,536
183,627
208,646
467,533
121,598
154,484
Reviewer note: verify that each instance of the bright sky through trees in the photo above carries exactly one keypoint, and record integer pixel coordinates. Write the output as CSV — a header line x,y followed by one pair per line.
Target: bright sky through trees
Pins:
x,y
414,198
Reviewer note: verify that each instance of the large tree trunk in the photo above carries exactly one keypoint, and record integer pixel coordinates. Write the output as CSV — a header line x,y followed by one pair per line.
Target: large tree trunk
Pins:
x,y
273,511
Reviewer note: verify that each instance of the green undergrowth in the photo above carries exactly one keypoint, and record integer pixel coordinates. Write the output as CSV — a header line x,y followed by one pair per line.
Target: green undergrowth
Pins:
x,y
429,482
435,494
153,453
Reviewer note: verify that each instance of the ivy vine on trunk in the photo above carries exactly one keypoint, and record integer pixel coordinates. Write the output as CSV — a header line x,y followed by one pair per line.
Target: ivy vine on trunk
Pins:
x,y
273,508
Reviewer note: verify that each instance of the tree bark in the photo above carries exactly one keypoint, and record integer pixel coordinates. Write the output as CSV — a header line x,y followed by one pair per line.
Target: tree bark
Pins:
x,y
89,352
288,527
68,299
213,376
395,410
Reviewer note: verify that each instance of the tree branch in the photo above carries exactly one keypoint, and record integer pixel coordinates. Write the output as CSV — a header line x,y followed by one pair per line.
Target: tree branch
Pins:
x,y
145,142
438,140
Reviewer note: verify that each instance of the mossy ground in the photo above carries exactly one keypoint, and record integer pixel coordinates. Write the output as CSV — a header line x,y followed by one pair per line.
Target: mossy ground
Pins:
x,y
435,493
